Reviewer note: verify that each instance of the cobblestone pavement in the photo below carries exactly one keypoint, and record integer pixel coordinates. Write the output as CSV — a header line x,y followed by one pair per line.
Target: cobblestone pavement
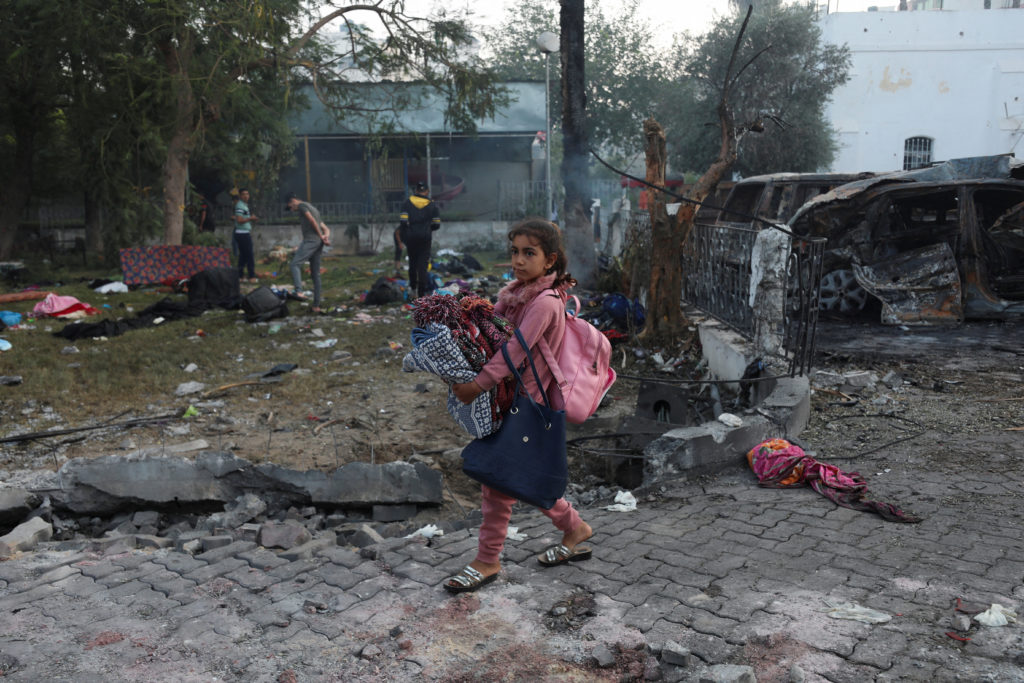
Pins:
x,y
707,572
730,572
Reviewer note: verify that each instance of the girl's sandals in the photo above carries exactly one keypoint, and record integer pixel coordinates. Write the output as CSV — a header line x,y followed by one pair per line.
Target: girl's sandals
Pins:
x,y
468,580
559,554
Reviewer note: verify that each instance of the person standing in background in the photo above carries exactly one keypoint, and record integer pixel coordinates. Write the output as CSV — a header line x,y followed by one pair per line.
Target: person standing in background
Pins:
x,y
315,236
242,236
416,225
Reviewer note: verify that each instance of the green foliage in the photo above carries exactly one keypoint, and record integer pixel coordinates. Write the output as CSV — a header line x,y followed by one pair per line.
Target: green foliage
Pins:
x,y
121,101
626,75
784,77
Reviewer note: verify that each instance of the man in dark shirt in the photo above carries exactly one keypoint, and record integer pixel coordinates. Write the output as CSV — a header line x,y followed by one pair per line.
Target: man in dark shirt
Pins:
x,y
417,223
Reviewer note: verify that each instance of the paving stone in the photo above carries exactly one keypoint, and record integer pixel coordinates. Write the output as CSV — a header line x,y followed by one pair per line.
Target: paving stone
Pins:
x,y
179,563
310,548
290,570
419,572
252,578
341,556
222,553
261,558
643,616
880,649
338,576
212,571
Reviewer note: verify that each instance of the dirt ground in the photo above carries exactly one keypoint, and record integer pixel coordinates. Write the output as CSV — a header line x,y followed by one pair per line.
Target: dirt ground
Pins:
x,y
946,398
356,404
958,390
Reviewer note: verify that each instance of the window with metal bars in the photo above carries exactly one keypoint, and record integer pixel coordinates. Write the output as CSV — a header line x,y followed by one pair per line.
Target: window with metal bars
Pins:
x,y
917,152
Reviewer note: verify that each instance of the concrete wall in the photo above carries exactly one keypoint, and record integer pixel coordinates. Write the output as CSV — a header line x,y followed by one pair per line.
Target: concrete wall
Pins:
x,y
458,236
954,76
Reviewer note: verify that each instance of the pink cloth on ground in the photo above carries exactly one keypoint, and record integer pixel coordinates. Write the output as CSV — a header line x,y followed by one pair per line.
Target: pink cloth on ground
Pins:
x,y
56,305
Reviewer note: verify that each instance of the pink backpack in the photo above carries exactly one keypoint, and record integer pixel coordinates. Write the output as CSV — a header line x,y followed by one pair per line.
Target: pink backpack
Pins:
x,y
583,368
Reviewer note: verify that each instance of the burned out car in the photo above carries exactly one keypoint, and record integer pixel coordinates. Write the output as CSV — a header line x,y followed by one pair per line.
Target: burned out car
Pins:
x,y
931,246
775,197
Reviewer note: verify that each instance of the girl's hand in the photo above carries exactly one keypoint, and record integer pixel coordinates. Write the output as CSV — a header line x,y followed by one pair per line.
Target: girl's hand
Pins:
x,y
467,392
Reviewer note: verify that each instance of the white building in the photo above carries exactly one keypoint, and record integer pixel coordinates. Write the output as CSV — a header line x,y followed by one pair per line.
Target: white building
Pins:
x,y
928,85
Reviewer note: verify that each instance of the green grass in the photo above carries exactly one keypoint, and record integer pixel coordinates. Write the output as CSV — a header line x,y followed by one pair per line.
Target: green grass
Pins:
x,y
137,372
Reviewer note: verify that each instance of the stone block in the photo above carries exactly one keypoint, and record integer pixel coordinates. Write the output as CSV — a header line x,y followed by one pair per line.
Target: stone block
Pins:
x,y
25,536
729,673
212,542
393,513
15,504
283,535
308,550
675,654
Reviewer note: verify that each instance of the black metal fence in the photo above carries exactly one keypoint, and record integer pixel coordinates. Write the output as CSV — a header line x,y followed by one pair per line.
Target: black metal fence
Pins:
x,y
717,266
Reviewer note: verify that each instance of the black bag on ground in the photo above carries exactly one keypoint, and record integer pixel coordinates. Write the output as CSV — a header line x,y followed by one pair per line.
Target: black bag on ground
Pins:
x,y
215,286
471,262
262,304
384,291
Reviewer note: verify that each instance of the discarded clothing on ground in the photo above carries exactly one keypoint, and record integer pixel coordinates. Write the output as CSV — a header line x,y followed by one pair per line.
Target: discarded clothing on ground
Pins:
x,y
59,306
780,464
454,338
166,308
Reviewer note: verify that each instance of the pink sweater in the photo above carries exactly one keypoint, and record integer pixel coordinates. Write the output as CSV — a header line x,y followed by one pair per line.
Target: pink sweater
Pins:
x,y
539,314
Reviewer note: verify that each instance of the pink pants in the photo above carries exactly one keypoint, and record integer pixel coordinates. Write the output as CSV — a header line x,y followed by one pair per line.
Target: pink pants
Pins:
x,y
497,509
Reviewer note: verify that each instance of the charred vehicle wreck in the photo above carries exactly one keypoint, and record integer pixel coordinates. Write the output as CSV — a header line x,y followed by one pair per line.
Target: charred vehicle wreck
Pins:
x,y
940,244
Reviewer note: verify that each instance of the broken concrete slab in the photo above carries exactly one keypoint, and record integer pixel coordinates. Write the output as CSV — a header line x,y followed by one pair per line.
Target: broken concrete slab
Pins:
x,y
26,536
105,485
713,446
707,447
15,504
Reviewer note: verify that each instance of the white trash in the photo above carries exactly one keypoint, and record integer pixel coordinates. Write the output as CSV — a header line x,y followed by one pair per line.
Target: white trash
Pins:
x,y
996,615
851,610
624,502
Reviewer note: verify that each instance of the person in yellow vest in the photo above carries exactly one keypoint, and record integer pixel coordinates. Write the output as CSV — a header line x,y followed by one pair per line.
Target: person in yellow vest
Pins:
x,y
419,219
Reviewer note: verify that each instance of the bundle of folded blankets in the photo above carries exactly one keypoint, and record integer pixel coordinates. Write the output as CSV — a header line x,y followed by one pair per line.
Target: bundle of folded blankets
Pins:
x,y
453,339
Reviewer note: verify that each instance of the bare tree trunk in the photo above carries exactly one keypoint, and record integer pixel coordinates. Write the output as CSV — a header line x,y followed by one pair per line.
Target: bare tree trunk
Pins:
x,y
664,317
179,148
93,226
576,228
15,193
665,321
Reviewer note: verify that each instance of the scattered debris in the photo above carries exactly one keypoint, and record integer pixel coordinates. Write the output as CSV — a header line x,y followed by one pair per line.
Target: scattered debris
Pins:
x,y
851,610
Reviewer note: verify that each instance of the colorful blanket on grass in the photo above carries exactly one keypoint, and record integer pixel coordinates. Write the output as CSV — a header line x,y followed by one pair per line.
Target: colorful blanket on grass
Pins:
x,y
169,264
780,464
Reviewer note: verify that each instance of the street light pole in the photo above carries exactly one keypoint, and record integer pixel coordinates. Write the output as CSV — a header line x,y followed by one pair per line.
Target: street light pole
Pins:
x,y
547,121
547,42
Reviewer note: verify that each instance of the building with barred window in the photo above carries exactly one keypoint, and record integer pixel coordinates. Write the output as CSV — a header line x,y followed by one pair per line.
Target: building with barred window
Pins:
x,y
930,80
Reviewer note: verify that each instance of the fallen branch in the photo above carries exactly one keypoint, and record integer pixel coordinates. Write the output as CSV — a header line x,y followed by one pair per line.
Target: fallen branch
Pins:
x,y
246,383
836,392
1000,400
1014,429
319,428
103,425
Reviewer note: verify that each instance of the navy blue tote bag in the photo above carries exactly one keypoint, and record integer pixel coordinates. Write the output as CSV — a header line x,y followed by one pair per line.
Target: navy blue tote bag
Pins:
x,y
526,457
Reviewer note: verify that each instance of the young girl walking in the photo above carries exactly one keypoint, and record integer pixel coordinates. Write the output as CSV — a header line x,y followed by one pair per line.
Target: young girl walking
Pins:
x,y
535,303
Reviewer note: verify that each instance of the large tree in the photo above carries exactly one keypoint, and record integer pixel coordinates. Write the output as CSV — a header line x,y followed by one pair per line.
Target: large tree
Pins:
x,y
185,77
785,88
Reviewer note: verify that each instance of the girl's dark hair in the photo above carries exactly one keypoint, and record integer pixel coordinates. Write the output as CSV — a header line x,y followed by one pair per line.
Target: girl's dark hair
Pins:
x,y
549,239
